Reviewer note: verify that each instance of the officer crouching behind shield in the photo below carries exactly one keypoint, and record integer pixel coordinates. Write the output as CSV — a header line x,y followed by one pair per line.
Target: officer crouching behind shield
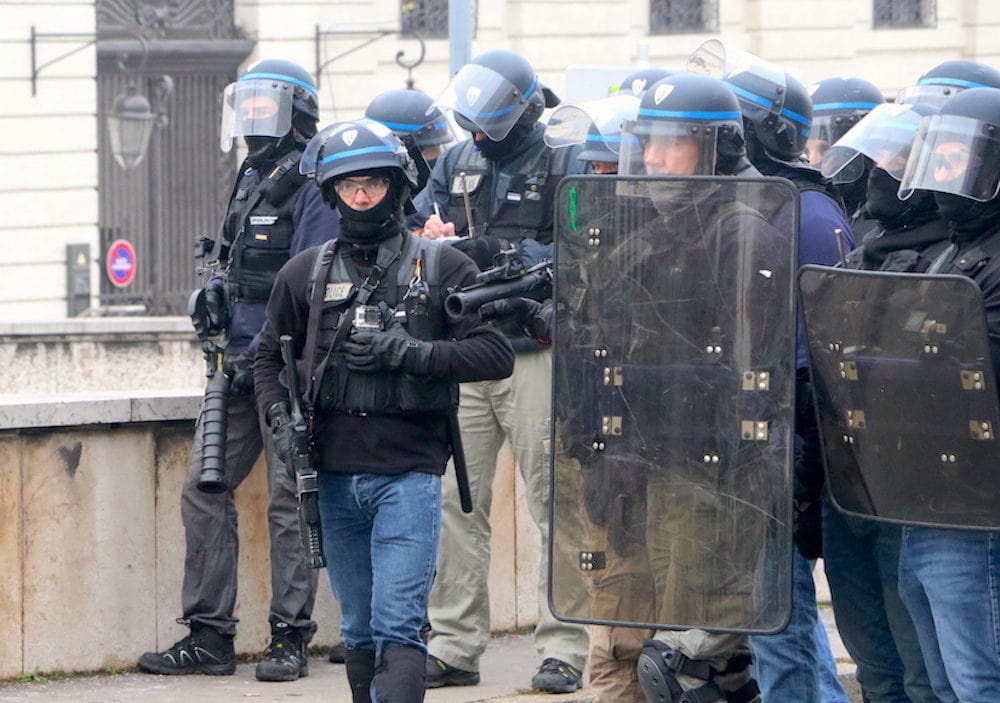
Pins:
x,y
378,393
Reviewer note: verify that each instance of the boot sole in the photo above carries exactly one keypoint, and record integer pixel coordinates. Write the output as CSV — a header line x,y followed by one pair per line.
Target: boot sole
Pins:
x,y
454,680
208,669
281,675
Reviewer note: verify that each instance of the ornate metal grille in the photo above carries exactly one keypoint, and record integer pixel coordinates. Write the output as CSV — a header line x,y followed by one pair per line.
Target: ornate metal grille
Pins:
x,y
428,18
683,16
900,14
166,19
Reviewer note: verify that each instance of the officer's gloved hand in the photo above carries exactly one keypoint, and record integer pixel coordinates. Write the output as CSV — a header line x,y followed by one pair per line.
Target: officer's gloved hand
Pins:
x,y
210,315
534,318
279,419
394,349
482,250
239,369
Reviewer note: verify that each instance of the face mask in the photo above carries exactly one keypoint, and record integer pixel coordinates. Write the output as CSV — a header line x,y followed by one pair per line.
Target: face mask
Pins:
x,y
967,216
495,151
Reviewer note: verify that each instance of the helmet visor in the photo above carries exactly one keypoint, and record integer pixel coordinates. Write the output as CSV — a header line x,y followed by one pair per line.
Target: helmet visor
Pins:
x,y
487,100
933,92
256,107
885,135
758,84
668,148
596,123
954,154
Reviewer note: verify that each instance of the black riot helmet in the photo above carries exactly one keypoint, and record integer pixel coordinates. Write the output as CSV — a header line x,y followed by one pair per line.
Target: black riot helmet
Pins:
x,y
699,111
777,111
957,150
639,81
410,112
947,79
495,92
838,104
362,148
268,100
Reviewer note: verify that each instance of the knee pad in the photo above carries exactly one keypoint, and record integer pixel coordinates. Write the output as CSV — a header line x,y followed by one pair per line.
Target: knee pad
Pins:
x,y
659,666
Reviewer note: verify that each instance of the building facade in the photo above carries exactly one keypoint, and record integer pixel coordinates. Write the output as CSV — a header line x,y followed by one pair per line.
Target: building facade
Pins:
x,y
65,64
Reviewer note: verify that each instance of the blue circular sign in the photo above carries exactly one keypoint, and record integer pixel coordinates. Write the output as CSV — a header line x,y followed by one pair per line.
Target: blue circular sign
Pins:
x,y
121,263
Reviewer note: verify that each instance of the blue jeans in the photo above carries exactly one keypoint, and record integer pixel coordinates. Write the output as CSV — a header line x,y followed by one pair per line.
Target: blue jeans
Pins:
x,y
380,537
861,558
950,582
796,664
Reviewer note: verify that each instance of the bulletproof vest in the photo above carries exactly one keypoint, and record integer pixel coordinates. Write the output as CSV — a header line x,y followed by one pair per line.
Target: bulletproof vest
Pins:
x,y
525,210
409,293
974,260
259,228
905,259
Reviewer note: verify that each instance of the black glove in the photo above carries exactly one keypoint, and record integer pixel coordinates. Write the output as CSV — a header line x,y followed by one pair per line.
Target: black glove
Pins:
x,y
239,369
482,250
279,419
394,349
534,318
209,314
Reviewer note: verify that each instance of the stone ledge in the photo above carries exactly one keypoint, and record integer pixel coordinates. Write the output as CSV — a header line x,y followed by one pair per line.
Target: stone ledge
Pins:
x,y
98,326
25,411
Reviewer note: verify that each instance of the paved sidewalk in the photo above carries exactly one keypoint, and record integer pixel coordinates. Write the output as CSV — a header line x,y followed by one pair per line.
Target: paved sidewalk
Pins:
x,y
507,668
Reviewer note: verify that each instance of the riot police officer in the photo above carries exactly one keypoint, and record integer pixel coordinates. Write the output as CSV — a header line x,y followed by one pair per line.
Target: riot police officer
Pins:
x,y
838,104
948,577
949,78
497,190
410,113
366,318
777,116
273,213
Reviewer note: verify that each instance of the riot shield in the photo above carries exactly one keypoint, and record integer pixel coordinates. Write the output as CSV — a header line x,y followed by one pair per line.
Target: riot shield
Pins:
x,y
907,399
673,383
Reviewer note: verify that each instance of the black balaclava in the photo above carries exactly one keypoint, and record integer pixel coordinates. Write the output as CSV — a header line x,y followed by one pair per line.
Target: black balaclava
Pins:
x,y
966,217
497,151
381,222
883,203
264,151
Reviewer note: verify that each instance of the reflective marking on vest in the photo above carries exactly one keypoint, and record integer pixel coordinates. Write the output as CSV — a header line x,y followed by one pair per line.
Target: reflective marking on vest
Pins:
x,y
263,219
337,292
471,183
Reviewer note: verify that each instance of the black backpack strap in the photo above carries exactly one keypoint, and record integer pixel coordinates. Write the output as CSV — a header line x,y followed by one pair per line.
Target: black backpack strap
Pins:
x,y
316,290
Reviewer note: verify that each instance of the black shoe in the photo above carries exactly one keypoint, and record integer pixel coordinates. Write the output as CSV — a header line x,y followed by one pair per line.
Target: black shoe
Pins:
x,y
204,651
556,676
440,674
338,652
285,658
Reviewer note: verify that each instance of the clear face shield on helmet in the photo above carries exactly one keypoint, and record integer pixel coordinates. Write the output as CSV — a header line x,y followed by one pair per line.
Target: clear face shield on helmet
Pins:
x,y
668,148
487,100
759,85
954,154
596,124
932,92
885,135
256,107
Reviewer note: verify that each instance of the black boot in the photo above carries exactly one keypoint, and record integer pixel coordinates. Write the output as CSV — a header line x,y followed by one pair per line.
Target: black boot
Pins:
x,y
360,665
204,651
285,658
399,676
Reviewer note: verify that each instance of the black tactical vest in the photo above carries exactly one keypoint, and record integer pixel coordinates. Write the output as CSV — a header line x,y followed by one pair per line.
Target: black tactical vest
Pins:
x,y
526,206
259,229
411,299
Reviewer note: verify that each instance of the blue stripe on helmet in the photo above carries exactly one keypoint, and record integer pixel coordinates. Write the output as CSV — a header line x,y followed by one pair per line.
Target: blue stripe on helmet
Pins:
x,y
279,77
752,97
356,152
495,113
401,126
796,117
951,81
845,106
601,139
692,115
531,88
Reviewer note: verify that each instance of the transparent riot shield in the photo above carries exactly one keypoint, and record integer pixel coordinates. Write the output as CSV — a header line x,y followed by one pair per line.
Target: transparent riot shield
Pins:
x,y
673,381
906,395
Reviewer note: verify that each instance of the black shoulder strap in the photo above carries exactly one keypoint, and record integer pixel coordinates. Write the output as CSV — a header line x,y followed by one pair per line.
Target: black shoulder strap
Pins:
x,y
388,252
316,290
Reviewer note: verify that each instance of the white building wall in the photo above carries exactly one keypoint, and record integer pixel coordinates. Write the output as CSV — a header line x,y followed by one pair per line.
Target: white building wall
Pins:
x,y
48,154
48,142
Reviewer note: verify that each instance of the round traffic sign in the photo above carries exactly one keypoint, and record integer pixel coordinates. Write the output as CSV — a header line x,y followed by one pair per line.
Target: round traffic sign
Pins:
x,y
121,263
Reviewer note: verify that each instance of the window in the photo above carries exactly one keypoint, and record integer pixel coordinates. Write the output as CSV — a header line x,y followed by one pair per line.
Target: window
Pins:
x,y
428,18
901,14
683,16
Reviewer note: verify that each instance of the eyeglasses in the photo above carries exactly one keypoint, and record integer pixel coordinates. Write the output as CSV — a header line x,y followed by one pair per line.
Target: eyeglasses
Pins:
x,y
371,187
